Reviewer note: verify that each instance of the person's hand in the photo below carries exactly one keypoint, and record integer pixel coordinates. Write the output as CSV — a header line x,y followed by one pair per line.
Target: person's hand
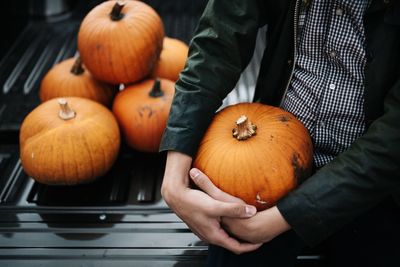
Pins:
x,y
198,210
261,228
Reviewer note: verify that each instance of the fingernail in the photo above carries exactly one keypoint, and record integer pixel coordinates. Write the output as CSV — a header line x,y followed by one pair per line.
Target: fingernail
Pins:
x,y
250,210
194,173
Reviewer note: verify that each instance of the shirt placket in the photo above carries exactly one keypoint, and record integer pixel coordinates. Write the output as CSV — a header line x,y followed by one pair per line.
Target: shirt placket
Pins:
x,y
332,83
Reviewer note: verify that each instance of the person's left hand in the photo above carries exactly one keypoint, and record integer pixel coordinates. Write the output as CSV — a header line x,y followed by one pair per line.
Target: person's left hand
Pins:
x,y
260,228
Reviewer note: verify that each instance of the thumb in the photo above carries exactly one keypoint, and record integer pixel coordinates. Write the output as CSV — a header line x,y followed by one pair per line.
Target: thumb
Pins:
x,y
235,210
205,184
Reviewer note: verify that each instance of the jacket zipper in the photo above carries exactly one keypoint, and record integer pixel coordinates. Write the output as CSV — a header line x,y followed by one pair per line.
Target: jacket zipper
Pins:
x,y
296,10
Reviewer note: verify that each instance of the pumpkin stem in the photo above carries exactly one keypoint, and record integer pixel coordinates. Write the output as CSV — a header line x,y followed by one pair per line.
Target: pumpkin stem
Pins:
x,y
66,112
116,14
77,68
245,129
156,90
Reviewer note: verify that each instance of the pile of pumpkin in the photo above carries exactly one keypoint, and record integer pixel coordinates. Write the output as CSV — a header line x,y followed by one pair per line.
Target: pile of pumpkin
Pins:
x,y
73,137
122,83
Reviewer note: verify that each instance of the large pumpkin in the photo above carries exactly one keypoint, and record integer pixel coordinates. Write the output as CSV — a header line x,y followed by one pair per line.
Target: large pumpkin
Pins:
x,y
120,42
69,78
142,110
255,152
172,59
68,141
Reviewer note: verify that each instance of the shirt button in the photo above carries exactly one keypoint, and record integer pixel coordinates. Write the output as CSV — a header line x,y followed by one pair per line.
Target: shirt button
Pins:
x,y
322,124
339,11
333,53
332,86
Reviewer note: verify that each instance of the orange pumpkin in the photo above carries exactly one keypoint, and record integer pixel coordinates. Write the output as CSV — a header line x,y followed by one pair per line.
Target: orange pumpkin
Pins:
x,y
68,141
255,152
121,42
172,59
69,78
142,110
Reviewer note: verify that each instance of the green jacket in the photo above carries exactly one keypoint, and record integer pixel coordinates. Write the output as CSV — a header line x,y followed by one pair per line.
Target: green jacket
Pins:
x,y
357,179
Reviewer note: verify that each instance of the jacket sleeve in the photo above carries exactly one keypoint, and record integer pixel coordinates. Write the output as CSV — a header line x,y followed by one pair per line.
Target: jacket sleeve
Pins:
x,y
222,47
355,181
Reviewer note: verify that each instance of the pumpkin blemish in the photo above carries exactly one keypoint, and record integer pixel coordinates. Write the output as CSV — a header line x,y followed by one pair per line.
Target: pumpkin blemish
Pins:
x,y
300,172
259,200
284,118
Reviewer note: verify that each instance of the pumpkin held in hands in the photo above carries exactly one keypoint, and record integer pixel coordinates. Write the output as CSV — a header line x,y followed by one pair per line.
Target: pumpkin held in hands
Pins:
x,y
120,42
69,78
255,152
142,110
172,59
68,141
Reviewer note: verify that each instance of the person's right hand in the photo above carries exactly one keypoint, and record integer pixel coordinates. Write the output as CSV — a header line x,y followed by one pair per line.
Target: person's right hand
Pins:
x,y
198,210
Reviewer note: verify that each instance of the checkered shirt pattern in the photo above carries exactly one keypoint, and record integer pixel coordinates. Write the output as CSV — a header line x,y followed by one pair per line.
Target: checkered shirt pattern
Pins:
x,y
326,91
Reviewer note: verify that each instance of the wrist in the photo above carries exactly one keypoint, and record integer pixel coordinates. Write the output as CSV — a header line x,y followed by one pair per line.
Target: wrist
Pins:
x,y
281,225
276,224
176,175
170,191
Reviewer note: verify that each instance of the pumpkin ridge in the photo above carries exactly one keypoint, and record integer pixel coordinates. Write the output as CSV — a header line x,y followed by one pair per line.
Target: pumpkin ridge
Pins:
x,y
259,158
92,162
148,41
130,50
150,38
226,153
250,150
111,144
94,34
103,126
76,167
43,131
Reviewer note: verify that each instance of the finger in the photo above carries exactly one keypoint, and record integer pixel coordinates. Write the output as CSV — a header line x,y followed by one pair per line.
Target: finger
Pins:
x,y
224,240
234,210
205,184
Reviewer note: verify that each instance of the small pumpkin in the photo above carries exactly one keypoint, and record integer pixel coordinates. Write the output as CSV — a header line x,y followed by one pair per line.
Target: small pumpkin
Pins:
x,y
68,141
69,78
120,42
255,152
142,110
172,59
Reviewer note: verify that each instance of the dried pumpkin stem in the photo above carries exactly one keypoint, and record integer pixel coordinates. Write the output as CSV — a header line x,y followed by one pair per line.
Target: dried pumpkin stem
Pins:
x,y
116,13
245,129
156,90
66,112
77,68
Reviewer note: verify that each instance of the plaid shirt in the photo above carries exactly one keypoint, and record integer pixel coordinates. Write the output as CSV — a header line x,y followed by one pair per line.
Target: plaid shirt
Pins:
x,y
327,86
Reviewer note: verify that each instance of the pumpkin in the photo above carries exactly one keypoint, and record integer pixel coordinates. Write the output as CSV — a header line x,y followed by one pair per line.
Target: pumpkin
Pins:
x,y
255,152
68,141
120,42
172,59
142,110
69,78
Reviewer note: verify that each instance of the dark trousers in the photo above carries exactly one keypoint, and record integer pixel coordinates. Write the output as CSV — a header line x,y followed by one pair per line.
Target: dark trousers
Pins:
x,y
373,239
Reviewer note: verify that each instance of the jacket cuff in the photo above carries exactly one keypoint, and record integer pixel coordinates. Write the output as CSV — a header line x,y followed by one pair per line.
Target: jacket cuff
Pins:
x,y
303,218
170,141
